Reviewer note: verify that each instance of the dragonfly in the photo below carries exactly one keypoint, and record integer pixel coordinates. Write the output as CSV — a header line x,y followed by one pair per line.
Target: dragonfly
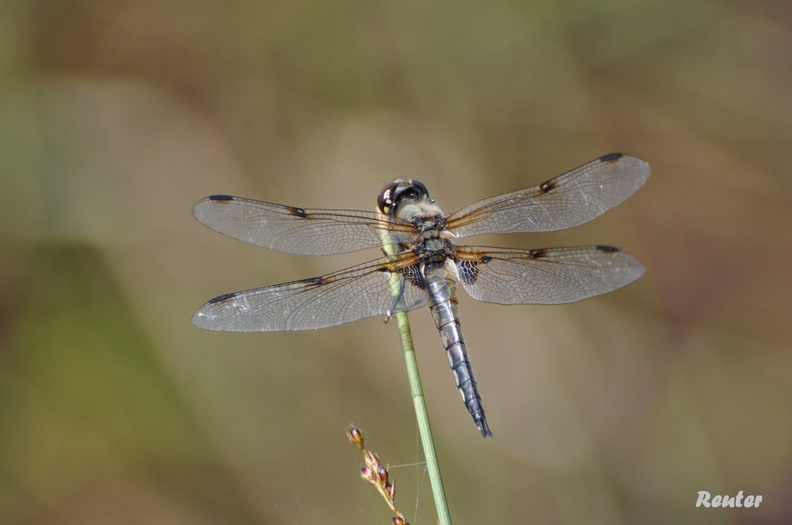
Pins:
x,y
427,262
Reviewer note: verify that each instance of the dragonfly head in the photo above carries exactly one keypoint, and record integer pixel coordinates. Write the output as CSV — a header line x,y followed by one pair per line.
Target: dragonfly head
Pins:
x,y
398,192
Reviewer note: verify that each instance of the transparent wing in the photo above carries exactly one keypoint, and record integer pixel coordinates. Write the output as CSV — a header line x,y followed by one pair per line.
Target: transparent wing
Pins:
x,y
563,202
337,298
546,276
299,231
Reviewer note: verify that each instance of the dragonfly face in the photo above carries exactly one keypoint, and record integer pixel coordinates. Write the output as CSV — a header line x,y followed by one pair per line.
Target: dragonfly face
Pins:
x,y
428,263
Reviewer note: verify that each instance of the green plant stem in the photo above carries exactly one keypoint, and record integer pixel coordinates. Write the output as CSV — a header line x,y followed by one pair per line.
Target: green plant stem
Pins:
x,y
422,416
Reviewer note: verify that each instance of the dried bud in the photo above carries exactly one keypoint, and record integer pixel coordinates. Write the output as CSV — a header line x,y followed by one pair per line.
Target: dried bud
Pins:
x,y
382,472
355,436
398,520
391,488
368,474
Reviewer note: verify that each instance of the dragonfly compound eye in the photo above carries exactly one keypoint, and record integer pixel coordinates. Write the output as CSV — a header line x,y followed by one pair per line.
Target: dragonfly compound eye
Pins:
x,y
416,190
386,197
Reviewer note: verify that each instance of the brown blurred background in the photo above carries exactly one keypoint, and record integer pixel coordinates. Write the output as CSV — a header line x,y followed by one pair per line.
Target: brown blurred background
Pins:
x,y
116,117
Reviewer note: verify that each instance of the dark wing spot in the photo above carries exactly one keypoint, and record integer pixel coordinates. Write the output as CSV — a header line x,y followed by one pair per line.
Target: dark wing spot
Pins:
x,y
468,270
611,157
221,198
548,186
222,298
317,281
413,275
608,249
297,212
538,253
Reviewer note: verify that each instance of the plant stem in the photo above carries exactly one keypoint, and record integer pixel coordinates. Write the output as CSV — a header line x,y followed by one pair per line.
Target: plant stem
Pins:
x,y
422,416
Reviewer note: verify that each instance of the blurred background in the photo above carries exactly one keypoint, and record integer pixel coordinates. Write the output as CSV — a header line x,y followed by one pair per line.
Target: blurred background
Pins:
x,y
116,117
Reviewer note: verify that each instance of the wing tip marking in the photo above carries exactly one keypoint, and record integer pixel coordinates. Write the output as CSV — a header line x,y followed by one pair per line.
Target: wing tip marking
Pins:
x,y
222,298
220,198
549,185
317,281
611,157
296,212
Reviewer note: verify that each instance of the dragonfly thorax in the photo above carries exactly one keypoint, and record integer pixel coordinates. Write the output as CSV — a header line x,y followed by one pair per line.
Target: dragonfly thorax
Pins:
x,y
431,238
435,249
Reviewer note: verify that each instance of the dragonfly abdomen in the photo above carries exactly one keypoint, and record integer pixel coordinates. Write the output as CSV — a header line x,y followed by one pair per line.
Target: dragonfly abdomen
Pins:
x,y
444,308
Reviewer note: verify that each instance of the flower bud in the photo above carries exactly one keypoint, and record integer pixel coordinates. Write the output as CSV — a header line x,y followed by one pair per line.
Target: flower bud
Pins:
x,y
355,436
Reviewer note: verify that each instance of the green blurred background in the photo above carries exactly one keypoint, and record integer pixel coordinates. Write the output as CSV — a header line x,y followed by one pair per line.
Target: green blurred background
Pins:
x,y
116,116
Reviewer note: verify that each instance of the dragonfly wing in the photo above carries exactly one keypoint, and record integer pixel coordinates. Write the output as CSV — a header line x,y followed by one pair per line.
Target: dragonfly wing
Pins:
x,y
568,200
299,231
545,276
342,297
